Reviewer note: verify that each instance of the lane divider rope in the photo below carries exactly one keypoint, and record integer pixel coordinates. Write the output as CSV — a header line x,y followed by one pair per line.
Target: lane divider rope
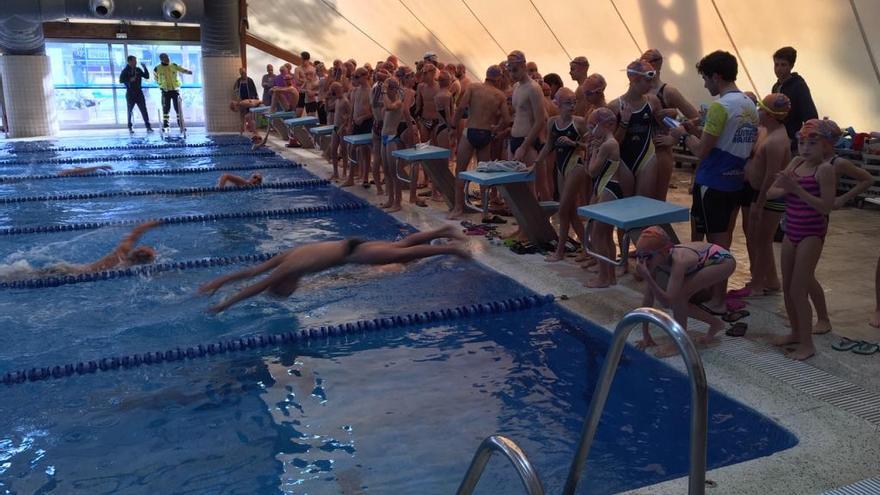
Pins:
x,y
113,363
303,210
292,184
121,158
55,281
154,171
238,141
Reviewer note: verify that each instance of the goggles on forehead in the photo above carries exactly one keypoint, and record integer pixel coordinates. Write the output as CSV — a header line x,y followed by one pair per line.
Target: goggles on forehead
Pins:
x,y
650,74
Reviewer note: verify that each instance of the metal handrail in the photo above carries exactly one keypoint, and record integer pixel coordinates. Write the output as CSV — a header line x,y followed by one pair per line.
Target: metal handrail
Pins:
x,y
509,448
699,398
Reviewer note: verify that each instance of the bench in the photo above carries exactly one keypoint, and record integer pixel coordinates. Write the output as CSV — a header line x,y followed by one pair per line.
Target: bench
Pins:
x,y
632,215
530,215
435,161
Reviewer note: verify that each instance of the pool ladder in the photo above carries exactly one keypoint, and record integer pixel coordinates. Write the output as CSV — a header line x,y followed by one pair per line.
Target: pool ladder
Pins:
x,y
699,410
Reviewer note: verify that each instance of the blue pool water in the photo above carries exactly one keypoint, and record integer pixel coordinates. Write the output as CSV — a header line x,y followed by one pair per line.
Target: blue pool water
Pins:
x,y
394,411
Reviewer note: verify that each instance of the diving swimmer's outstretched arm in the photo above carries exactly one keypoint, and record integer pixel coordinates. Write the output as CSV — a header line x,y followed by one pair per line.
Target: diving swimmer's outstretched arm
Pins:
x,y
212,286
254,289
131,239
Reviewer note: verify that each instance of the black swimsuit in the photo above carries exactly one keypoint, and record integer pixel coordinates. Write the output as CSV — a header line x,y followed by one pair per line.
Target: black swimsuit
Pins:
x,y
351,244
566,154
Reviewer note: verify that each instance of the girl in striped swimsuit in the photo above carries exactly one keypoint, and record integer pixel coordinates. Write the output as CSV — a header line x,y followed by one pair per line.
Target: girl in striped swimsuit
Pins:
x,y
808,185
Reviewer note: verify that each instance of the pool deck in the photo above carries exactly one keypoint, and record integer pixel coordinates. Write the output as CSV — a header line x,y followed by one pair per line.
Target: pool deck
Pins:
x,y
830,410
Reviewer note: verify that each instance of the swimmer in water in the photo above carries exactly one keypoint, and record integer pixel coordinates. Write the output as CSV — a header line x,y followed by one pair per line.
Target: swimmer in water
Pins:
x,y
290,266
83,170
125,254
255,180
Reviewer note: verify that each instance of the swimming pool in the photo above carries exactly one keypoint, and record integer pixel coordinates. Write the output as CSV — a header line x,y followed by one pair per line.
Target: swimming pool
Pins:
x,y
397,410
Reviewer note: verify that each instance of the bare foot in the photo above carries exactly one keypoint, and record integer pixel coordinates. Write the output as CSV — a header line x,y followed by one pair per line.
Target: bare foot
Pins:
x,y
645,343
460,249
452,232
394,209
875,322
552,258
347,183
597,283
380,191
385,205
707,340
801,352
782,340
666,350
821,326
583,256
455,214
589,262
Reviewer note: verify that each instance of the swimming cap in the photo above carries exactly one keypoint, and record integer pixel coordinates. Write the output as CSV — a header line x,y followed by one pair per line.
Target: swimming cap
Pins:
x,y
652,241
430,56
360,72
516,56
824,129
493,73
581,60
602,116
777,105
652,55
595,83
640,68
444,77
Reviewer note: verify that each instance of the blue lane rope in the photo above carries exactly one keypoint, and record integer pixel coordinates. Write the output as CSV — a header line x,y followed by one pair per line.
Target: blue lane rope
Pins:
x,y
136,146
39,283
304,210
291,184
154,171
291,337
122,158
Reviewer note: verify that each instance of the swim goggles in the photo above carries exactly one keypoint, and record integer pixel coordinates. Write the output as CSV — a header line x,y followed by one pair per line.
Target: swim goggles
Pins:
x,y
650,74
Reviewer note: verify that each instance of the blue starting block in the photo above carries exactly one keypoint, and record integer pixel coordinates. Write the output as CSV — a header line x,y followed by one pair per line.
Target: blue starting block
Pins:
x,y
358,139
322,130
281,115
632,215
435,161
525,207
260,109
306,121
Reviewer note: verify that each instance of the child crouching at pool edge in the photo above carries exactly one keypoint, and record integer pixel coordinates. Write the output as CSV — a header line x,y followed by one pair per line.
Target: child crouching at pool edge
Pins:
x,y
692,267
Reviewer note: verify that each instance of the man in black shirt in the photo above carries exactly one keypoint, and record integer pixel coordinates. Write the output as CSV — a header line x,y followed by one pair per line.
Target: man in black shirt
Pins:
x,y
792,85
131,77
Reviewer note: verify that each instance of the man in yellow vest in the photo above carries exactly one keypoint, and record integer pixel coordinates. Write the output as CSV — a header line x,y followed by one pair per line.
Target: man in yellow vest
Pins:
x,y
169,83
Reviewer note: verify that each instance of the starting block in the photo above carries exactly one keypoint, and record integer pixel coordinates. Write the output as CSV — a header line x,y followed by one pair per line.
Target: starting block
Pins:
x,y
514,188
435,161
632,215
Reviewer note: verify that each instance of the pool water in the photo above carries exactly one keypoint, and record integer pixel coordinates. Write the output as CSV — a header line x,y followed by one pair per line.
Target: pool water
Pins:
x,y
392,411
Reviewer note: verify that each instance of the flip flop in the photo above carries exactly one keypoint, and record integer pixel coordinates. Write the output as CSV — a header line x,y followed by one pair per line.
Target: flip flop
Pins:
x,y
866,348
734,304
710,310
737,330
733,316
845,344
494,219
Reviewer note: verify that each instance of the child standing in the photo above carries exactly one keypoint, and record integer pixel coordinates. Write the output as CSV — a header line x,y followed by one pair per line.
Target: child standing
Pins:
x,y
808,185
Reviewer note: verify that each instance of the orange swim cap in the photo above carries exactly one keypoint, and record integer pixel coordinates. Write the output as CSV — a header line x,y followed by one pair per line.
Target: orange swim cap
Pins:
x,y
652,241
776,104
824,129
595,83
640,68
493,73
651,55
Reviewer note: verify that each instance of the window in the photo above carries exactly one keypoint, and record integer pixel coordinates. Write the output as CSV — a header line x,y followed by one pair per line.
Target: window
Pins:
x,y
87,91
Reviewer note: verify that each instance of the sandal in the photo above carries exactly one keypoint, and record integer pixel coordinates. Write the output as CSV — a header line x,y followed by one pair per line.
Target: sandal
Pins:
x,y
845,344
866,348
738,329
734,316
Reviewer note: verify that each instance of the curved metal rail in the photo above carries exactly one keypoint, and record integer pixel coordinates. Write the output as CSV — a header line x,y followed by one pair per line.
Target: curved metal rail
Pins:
x,y
699,398
509,448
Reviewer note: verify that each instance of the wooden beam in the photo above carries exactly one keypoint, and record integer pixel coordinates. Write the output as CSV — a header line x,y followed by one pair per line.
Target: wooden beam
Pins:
x,y
135,32
242,31
272,49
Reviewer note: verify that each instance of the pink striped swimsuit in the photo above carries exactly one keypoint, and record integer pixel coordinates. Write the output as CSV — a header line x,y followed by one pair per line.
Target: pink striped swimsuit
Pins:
x,y
801,219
